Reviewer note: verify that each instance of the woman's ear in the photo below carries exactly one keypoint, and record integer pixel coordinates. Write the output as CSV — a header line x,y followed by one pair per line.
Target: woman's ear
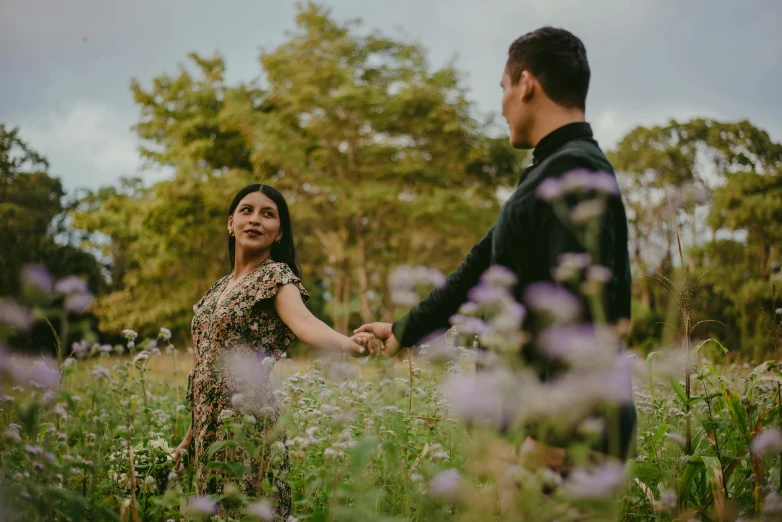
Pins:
x,y
231,225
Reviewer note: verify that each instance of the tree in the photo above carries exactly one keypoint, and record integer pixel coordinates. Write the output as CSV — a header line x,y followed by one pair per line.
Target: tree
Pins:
x,y
378,156
705,182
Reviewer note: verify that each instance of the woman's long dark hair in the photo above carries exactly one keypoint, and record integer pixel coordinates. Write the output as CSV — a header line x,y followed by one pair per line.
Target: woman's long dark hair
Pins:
x,y
285,250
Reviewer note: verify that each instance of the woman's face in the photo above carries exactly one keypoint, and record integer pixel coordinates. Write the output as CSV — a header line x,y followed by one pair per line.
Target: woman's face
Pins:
x,y
255,223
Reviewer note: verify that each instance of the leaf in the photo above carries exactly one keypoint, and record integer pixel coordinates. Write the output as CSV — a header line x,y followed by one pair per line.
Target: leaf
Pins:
x,y
679,391
706,341
715,478
234,467
737,412
693,469
659,434
215,447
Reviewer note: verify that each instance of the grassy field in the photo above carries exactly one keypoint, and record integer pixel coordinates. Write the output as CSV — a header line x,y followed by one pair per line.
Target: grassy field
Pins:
x,y
379,440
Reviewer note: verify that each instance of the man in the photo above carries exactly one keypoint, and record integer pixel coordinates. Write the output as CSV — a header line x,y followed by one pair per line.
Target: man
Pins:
x,y
544,86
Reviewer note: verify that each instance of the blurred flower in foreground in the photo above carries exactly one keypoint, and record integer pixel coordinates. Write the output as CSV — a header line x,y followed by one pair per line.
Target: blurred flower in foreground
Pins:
x,y
482,397
40,373
767,443
201,507
601,482
261,510
578,181
248,373
77,296
562,305
15,316
408,283
446,486
584,345
37,278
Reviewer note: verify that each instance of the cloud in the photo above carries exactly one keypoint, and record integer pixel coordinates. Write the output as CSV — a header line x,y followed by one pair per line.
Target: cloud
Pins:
x,y
88,143
611,125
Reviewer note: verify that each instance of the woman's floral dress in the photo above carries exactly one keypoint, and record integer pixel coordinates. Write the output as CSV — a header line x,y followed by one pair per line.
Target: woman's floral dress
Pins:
x,y
234,343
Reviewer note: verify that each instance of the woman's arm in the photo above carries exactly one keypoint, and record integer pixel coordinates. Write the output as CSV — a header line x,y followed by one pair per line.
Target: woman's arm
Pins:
x,y
290,308
183,445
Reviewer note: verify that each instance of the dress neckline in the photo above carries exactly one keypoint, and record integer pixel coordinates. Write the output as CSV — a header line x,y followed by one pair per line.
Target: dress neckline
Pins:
x,y
221,286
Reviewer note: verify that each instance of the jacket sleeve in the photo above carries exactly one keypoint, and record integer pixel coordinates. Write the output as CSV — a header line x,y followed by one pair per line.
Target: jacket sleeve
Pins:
x,y
434,312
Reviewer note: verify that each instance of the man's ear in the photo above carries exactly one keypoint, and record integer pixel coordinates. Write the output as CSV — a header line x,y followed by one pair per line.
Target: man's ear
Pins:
x,y
527,86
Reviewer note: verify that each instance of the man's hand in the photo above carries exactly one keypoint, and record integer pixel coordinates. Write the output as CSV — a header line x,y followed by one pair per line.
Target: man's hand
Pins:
x,y
383,332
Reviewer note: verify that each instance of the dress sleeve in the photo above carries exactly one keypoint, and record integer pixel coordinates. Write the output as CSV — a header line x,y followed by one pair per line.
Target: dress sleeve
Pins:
x,y
272,277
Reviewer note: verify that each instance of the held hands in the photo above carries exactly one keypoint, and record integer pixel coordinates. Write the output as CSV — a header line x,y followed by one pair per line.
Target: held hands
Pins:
x,y
370,336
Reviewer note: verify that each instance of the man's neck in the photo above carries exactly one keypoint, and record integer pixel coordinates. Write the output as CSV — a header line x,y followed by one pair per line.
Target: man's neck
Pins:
x,y
550,119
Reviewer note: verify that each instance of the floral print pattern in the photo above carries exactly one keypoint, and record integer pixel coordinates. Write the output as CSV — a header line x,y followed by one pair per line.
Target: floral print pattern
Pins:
x,y
234,343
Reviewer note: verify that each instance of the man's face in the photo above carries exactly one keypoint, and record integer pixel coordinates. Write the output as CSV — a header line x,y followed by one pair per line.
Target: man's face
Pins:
x,y
516,109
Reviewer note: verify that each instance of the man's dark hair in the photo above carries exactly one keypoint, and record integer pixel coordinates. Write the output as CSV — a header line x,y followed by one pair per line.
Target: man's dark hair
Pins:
x,y
557,58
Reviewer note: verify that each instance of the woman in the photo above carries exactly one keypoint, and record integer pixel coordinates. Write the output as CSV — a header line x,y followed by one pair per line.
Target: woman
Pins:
x,y
250,315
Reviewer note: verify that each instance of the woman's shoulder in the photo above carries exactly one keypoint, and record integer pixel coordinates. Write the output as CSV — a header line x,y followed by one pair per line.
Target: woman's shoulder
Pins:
x,y
271,276
276,270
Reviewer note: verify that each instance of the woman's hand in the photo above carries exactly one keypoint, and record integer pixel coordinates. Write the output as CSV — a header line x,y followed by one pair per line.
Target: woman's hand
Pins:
x,y
373,345
355,348
182,448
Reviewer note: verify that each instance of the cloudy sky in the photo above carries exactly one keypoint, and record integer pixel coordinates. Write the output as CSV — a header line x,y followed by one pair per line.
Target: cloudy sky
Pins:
x,y
66,65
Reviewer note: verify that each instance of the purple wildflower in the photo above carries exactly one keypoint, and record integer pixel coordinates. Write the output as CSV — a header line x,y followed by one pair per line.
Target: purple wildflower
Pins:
x,y
606,183
548,297
446,486
71,285
570,265
475,398
262,510
79,348
402,277
550,189
767,443
429,276
404,298
42,373
582,344
600,482
587,210
617,382
468,325
201,506
599,273
78,303
488,294
500,276
15,316
37,277
586,180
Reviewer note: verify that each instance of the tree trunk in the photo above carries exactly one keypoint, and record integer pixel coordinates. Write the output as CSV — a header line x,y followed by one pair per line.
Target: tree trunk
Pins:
x,y
363,280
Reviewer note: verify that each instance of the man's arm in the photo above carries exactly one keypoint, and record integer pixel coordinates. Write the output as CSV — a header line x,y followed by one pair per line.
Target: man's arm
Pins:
x,y
435,311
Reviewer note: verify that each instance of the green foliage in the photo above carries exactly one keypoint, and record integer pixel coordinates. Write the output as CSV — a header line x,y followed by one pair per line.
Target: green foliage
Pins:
x,y
714,186
378,155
